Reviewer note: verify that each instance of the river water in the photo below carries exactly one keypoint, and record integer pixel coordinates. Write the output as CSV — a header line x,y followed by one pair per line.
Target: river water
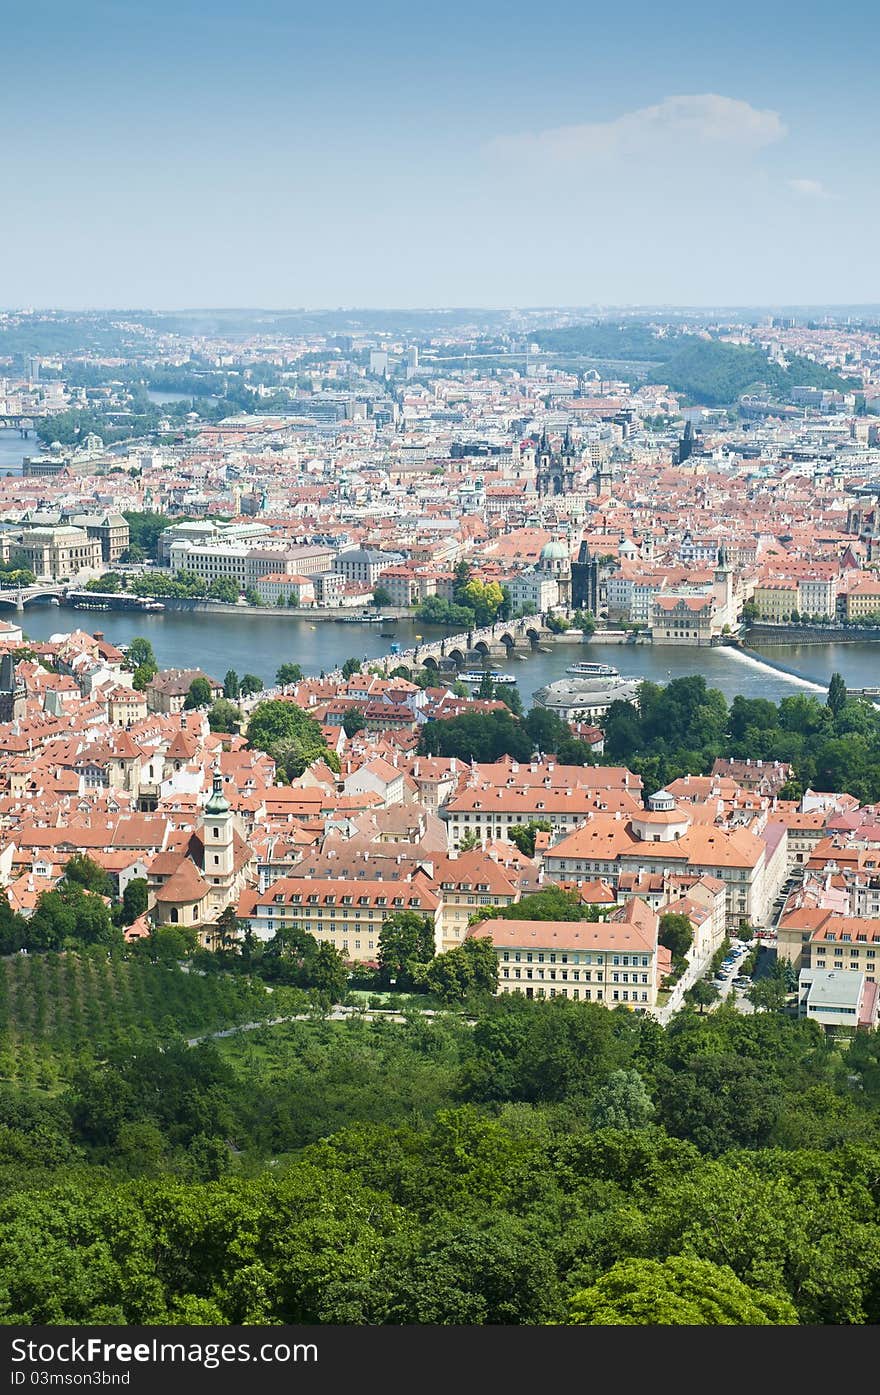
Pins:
x,y
252,643
13,449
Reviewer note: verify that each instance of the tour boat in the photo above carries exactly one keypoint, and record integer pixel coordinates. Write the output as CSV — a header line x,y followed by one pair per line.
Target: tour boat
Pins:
x,y
592,670
477,675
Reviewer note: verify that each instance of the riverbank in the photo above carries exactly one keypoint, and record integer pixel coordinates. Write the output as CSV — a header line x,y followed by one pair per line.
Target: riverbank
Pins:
x,y
340,614
812,634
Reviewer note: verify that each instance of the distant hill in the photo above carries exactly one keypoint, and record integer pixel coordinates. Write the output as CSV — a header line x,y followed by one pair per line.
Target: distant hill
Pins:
x,y
715,374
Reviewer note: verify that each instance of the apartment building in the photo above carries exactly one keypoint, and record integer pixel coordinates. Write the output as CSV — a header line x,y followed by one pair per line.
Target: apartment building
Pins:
x,y
491,811
287,589
203,532
816,938
467,882
349,914
365,564
663,840
168,691
246,564
615,961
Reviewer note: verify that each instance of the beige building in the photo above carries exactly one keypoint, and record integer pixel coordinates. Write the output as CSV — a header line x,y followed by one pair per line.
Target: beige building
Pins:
x,y
683,619
348,914
776,600
168,691
814,938
863,599
468,881
288,588
125,706
110,529
753,866
612,962
60,553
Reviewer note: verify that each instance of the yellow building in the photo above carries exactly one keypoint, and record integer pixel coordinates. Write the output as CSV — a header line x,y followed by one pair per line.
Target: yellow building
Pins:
x,y
612,962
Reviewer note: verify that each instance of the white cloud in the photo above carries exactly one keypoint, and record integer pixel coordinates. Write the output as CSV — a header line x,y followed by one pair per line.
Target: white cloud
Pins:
x,y
809,188
689,122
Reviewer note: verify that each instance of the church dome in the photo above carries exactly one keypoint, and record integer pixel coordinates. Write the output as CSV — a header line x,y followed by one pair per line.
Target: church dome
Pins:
x,y
554,551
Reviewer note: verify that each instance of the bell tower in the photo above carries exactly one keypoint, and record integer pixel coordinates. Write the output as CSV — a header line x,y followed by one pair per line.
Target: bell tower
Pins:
x,y
217,834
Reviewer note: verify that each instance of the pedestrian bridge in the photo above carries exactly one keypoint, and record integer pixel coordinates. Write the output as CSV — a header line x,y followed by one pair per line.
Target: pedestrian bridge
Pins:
x,y
498,641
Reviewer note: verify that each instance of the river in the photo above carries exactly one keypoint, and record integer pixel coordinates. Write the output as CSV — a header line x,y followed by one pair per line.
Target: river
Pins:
x,y
252,643
13,449
160,398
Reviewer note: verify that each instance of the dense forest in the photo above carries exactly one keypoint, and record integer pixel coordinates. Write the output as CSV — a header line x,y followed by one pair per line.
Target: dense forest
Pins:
x,y
539,1162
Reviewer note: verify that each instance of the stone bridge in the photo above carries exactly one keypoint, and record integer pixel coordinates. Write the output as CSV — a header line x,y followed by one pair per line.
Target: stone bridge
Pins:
x,y
19,596
498,641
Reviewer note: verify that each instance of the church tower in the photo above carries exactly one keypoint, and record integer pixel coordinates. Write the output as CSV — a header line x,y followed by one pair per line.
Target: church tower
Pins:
x,y
218,863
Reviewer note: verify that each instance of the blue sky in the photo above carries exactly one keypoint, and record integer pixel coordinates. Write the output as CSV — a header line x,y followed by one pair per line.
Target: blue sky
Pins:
x,y
396,154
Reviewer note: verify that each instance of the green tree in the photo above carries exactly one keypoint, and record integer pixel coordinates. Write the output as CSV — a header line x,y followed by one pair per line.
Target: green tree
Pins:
x,y
470,968
251,684
622,1102
837,694
435,610
767,995
252,596
680,1291
702,994
81,870
140,651
405,940
232,685
288,674
351,667
288,734
381,596
143,674
353,721
135,899
223,588
224,716
676,934
199,694
328,973
524,834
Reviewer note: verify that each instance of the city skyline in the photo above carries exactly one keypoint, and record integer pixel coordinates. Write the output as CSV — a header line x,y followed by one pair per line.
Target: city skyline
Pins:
x,y
501,158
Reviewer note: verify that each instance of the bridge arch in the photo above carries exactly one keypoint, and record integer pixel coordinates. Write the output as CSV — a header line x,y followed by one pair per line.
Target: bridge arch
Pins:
x,y
508,641
458,656
430,661
533,636
48,595
482,648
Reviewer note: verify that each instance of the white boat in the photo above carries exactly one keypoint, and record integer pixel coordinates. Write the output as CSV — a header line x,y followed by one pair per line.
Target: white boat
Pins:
x,y
592,670
476,675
